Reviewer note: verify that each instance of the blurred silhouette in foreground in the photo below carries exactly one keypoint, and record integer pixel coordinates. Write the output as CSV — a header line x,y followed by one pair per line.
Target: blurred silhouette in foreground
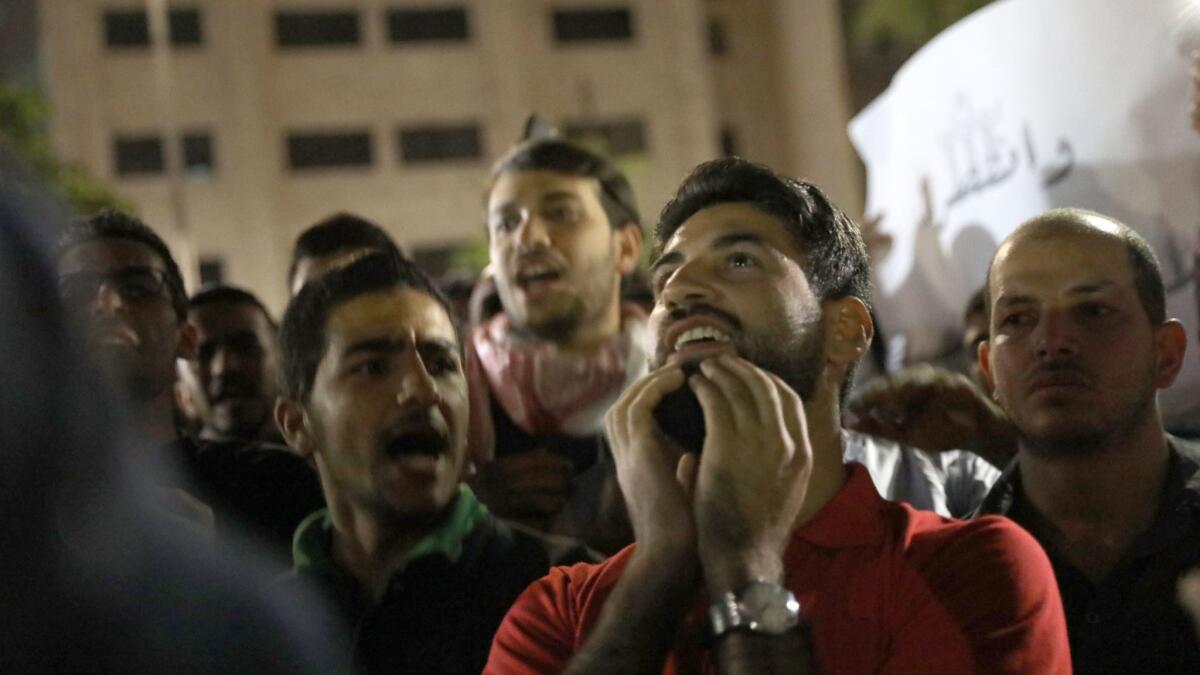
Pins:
x,y
99,576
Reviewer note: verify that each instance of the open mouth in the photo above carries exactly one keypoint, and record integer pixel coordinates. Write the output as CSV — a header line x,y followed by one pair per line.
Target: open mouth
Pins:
x,y
537,274
701,335
422,442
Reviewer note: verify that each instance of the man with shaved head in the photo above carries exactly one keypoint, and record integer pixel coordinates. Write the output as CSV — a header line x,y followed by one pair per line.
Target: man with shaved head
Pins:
x,y
1080,344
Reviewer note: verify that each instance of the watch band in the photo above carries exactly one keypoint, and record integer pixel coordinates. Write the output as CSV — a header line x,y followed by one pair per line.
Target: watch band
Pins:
x,y
723,615
761,607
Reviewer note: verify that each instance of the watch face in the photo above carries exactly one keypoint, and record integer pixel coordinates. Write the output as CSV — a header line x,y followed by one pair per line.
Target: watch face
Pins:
x,y
778,618
772,609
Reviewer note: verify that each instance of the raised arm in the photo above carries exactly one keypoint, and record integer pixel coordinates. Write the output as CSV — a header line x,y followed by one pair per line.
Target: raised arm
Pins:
x,y
749,493
935,410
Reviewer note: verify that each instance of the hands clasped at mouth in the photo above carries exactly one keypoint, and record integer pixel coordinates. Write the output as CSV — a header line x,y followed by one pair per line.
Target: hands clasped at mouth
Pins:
x,y
734,509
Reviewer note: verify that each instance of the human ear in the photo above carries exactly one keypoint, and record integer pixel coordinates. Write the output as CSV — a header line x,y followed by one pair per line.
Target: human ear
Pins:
x,y
984,356
292,420
629,247
188,339
1170,342
849,329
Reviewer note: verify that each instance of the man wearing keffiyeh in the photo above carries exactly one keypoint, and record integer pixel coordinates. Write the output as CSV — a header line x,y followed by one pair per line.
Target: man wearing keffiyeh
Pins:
x,y
563,229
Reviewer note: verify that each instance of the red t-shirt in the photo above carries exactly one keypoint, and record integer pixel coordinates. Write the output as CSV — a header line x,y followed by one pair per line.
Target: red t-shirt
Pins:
x,y
885,589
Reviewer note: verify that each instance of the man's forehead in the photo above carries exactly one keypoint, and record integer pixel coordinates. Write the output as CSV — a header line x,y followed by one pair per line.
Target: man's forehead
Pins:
x,y
538,183
398,314
223,316
728,223
1062,262
108,254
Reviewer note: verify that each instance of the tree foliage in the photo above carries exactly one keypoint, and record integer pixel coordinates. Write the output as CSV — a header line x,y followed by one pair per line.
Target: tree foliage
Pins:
x,y
24,113
901,27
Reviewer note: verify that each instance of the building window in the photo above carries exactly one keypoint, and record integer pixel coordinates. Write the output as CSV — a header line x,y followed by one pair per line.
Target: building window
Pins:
x,y
197,155
324,150
212,271
616,137
593,25
718,37
184,27
126,29
316,29
428,25
138,155
131,28
728,142
440,143
134,155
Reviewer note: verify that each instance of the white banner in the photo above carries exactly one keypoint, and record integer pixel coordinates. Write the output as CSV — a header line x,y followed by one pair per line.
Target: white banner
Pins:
x,y
1023,106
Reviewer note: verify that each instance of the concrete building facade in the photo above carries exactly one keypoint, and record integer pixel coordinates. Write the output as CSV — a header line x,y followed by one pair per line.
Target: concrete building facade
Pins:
x,y
234,124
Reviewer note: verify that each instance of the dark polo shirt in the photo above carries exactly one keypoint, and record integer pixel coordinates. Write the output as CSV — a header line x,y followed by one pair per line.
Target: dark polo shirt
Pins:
x,y
1130,622
441,609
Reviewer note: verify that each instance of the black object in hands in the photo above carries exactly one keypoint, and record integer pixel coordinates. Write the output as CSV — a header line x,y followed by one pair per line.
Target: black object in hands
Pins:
x,y
680,417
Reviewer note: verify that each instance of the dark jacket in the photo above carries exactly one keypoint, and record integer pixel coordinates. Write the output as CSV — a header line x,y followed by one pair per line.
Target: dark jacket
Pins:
x,y
256,490
439,616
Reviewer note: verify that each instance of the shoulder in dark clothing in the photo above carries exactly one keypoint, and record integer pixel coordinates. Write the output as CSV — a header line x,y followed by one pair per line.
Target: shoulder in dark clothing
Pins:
x,y
261,489
438,616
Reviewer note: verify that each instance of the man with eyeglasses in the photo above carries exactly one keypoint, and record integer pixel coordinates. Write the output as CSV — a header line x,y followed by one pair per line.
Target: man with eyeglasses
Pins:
x,y
119,281
563,229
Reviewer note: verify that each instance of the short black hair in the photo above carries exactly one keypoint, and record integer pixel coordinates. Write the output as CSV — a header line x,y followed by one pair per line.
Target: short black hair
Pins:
x,y
215,293
302,339
112,224
458,286
336,234
559,156
1147,276
835,258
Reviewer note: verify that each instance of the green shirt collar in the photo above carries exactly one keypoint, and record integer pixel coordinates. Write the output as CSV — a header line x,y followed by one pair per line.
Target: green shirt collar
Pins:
x,y
312,546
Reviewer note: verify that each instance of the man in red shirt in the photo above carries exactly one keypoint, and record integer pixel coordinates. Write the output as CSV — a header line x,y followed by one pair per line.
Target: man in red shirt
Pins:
x,y
764,283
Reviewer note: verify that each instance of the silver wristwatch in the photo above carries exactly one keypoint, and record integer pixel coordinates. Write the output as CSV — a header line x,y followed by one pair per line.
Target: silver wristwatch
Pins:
x,y
761,607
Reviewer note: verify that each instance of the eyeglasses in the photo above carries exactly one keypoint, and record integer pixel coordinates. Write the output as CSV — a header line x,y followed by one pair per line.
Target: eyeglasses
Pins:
x,y
132,284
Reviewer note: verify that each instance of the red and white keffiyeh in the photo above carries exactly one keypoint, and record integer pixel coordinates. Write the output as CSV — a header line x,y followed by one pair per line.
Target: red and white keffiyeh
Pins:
x,y
545,391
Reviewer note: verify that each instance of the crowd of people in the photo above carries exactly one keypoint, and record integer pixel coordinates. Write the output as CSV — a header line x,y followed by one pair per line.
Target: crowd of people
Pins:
x,y
554,475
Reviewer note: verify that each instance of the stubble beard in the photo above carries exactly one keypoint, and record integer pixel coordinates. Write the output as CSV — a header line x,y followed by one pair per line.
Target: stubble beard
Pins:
x,y
1084,440
798,361
558,326
398,519
583,306
226,421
